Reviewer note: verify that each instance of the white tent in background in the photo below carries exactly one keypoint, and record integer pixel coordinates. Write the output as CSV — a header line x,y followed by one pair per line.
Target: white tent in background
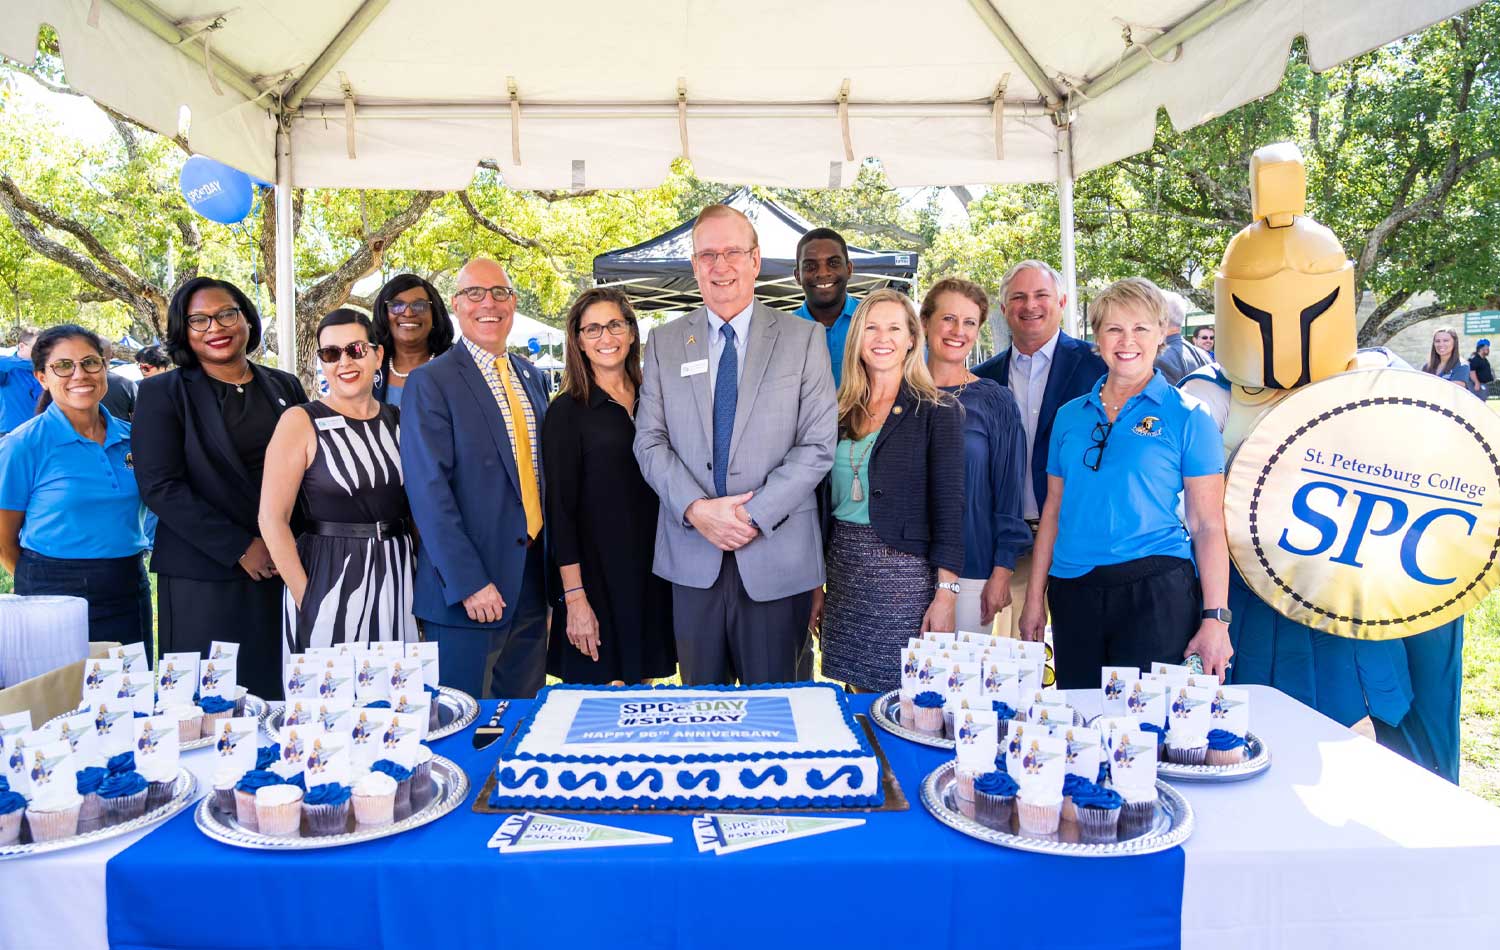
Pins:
x,y
600,94
525,329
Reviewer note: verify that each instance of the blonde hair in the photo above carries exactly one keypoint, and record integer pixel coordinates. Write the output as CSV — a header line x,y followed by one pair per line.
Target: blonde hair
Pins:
x,y
1137,293
854,393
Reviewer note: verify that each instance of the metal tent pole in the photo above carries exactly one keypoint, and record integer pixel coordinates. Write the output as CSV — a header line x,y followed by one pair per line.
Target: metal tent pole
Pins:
x,y
286,284
1065,224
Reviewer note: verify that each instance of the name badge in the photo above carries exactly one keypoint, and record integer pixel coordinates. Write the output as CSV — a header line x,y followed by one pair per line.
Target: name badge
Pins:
x,y
695,368
331,422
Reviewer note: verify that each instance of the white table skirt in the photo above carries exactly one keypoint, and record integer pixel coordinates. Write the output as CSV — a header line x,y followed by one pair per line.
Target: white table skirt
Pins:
x,y
1342,844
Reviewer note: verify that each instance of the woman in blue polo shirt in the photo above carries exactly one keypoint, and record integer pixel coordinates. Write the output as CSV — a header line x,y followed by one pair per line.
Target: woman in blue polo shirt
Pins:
x,y
70,515
1115,562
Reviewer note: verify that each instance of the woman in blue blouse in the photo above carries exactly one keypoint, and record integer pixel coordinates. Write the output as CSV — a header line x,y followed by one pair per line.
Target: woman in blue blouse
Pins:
x,y
71,519
896,542
953,312
1112,558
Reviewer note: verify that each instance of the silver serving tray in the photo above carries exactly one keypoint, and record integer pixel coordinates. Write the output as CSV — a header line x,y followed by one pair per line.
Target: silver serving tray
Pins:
x,y
886,712
1172,824
450,788
456,710
254,706
183,793
1257,760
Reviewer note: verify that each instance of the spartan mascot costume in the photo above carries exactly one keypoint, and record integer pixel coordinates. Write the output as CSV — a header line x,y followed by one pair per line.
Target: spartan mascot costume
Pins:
x,y
1361,495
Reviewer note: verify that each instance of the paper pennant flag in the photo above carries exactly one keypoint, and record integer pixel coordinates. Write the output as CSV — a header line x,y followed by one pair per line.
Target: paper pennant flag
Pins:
x,y
534,832
725,834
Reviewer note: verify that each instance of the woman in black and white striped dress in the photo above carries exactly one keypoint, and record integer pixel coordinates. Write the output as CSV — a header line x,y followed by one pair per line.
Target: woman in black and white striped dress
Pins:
x,y
348,577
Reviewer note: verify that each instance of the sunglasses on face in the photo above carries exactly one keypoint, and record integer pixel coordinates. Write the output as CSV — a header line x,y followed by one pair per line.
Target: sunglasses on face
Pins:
x,y
226,318
64,368
357,350
476,294
417,308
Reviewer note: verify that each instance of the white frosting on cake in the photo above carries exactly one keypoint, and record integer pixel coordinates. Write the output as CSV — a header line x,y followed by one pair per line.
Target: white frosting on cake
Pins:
x,y
375,783
273,795
770,746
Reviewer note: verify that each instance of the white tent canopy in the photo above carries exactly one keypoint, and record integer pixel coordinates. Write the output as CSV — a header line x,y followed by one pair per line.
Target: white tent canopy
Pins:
x,y
525,328
602,94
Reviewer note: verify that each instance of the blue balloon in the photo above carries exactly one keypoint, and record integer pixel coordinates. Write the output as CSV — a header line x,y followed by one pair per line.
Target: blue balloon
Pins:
x,y
216,191
534,345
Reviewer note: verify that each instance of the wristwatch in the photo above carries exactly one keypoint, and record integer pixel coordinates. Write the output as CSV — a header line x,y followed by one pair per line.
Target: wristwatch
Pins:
x,y
1220,614
949,586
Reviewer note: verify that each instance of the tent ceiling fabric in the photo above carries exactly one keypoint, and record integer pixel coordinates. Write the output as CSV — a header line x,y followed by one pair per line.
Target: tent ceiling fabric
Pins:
x,y
597,82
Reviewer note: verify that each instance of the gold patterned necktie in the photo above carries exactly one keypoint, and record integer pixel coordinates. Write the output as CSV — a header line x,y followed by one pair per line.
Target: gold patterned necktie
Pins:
x,y
531,499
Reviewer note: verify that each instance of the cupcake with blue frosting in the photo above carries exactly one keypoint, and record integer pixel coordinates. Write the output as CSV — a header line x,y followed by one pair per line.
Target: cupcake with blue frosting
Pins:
x,y
215,710
1225,748
124,795
326,808
402,777
12,809
432,706
1098,813
88,782
929,713
995,800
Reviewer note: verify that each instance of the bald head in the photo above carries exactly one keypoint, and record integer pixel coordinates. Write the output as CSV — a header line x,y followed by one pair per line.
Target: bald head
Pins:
x,y
487,321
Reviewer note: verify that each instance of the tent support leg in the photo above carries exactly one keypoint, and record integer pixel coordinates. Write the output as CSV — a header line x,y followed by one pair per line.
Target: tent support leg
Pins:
x,y
286,284
1065,224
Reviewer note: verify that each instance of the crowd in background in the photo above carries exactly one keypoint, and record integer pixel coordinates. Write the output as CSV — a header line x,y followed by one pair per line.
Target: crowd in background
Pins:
x,y
751,484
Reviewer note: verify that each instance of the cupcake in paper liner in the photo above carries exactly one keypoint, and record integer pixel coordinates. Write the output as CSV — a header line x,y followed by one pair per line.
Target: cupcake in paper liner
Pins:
x,y
278,810
1071,784
994,800
929,716
1138,813
215,710
54,817
375,799
244,795
1038,813
240,692
124,797
422,790
401,774
1098,813
88,782
12,809
906,709
225,778
1004,714
1187,751
267,755
326,808
1225,748
161,782
189,722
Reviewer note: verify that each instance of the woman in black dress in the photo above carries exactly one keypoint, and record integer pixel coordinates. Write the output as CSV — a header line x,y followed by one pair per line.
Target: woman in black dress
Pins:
x,y
614,624
199,445
337,462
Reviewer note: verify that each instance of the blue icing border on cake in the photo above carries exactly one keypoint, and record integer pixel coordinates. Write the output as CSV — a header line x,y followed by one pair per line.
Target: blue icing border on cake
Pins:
x,y
689,781
776,773
816,780
571,782
507,777
510,755
627,783
611,803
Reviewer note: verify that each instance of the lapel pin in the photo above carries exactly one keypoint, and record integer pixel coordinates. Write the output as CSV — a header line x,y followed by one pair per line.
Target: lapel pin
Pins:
x,y
897,410
282,401
692,340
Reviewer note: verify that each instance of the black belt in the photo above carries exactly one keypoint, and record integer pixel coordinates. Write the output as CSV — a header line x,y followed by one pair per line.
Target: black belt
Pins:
x,y
377,530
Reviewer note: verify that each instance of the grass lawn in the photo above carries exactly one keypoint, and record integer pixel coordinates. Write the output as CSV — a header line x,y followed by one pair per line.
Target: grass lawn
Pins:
x,y
1481,702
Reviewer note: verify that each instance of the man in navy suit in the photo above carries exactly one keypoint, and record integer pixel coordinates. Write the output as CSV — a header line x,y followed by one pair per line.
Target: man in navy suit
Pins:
x,y
1044,368
470,422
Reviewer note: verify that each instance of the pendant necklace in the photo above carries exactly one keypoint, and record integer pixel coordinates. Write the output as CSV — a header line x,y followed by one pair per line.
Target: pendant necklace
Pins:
x,y
856,488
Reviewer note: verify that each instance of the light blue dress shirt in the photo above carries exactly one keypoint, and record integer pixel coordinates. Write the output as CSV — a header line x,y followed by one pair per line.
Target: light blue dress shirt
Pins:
x,y
1028,383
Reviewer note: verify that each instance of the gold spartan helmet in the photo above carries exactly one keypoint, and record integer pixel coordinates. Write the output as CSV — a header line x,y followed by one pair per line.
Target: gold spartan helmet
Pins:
x,y
1284,294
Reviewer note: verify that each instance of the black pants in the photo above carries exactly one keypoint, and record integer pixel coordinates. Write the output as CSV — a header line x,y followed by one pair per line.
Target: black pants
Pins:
x,y
116,588
723,635
1126,614
193,613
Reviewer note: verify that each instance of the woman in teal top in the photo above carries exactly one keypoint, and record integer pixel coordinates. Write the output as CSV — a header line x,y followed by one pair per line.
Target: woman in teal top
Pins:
x,y
71,518
897,496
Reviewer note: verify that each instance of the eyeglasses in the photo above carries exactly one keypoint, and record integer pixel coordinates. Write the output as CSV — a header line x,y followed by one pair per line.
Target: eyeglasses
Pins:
x,y
226,318
357,350
500,293
734,257
417,308
64,368
594,330
1101,439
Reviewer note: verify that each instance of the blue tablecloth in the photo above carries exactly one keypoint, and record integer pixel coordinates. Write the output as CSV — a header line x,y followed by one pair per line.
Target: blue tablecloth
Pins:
x,y
901,880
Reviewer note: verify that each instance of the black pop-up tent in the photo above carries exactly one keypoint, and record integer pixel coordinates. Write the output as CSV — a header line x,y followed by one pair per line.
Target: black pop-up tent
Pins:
x,y
658,274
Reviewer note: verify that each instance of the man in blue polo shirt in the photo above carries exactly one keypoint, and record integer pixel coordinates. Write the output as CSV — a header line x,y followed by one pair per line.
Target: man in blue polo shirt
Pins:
x,y
19,389
823,270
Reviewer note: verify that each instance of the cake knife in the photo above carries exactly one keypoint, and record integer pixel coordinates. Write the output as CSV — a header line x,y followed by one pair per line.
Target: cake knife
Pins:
x,y
485,735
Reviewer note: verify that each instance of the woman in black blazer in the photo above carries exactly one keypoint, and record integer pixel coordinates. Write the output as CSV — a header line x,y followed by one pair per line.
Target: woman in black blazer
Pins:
x,y
896,494
200,439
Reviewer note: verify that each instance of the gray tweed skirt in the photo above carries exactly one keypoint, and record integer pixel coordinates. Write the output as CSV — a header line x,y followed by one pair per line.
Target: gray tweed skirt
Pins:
x,y
875,602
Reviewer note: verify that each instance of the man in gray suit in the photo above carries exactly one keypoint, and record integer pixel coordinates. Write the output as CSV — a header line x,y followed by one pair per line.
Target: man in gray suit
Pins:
x,y
735,429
